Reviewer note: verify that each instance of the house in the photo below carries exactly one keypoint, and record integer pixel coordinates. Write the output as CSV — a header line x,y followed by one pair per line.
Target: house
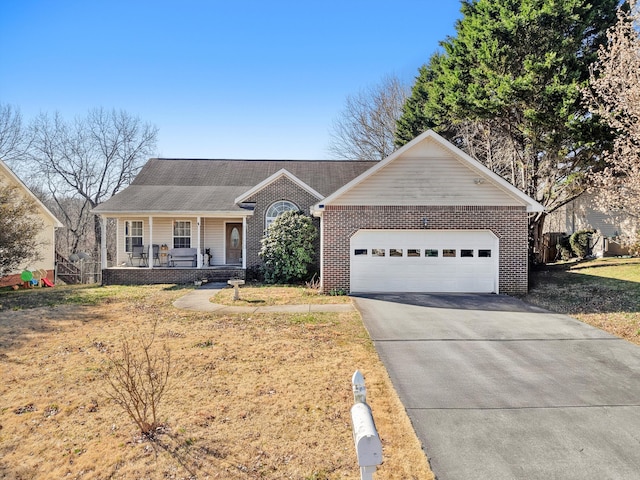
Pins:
x,y
613,230
46,237
426,218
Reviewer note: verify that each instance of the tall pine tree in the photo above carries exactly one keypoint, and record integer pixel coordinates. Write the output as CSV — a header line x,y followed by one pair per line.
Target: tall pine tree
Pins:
x,y
512,76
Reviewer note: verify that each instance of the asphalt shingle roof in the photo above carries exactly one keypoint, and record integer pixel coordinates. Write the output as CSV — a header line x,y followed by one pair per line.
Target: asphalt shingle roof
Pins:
x,y
181,185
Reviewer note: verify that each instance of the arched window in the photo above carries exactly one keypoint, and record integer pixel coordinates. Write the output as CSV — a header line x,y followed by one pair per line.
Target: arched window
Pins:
x,y
276,209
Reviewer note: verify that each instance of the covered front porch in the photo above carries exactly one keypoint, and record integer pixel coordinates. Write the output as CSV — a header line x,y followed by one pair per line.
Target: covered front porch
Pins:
x,y
175,249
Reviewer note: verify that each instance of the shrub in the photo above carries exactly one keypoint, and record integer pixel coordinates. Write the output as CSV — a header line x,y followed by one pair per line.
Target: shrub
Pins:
x,y
287,248
580,243
137,380
254,274
563,248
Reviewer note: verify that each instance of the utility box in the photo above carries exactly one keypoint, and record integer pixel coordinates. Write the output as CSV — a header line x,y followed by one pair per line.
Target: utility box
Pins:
x,y
365,436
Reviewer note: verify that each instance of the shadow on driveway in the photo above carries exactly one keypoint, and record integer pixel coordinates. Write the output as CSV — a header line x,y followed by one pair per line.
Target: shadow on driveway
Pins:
x,y
457,301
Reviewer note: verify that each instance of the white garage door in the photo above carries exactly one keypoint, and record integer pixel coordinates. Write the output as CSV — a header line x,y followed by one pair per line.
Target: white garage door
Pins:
x,y
424,261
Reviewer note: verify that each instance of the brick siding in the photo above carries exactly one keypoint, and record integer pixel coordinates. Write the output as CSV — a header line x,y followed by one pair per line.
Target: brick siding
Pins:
x,y
281,189
509,224
147,276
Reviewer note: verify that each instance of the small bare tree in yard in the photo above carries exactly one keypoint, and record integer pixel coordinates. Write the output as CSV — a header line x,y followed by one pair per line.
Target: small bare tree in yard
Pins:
x,y
137,380
614,94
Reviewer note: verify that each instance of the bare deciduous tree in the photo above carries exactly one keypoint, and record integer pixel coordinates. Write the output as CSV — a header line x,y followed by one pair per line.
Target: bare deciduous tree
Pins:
x,y
365,129
14,141
615,96
89,160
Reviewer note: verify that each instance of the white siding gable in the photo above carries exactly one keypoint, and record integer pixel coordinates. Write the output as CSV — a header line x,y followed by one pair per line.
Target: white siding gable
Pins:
x,y
428,174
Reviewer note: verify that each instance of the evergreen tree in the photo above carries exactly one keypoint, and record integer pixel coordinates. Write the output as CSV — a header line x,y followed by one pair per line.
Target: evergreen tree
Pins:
x,y
19,229
519,67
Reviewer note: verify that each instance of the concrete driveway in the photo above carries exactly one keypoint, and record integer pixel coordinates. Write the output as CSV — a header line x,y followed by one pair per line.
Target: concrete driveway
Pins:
x,y
497,389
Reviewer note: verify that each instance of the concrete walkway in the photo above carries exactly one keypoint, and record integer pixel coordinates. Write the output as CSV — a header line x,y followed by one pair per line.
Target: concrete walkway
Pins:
x,y
198,301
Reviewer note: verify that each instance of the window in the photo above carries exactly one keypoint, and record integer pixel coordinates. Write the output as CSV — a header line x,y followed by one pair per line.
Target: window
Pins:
x,y
182,234
377,252
430,252
466,253
395,252
413,252
484,253
448,252
132,234
360,251
276,209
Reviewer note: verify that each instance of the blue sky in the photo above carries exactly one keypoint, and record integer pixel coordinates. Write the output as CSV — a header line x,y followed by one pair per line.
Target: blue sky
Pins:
x,y
220,79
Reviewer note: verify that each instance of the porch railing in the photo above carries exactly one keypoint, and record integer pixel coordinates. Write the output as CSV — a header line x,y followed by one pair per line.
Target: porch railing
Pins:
x,y
82,271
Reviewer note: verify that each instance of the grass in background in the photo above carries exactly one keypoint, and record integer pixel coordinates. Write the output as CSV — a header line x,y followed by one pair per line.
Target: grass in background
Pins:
x,y
604,293
269,295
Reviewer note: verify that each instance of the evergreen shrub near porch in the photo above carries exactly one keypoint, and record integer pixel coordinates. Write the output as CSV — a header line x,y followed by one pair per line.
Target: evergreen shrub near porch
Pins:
x,y
288,251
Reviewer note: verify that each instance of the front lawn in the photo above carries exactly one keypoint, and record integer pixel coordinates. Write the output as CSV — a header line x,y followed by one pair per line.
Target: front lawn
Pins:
x,y
250,396
269,295
604,293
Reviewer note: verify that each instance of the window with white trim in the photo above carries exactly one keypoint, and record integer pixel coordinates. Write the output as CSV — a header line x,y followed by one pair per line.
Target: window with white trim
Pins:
x,y
132,234
276,209
182,234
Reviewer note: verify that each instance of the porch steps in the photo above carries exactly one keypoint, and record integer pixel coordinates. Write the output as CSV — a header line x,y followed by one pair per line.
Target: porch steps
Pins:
x,y
67,271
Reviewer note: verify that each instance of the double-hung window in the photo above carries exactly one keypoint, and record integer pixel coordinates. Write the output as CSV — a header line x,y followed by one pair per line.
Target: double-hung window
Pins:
x,y
132,234
182,234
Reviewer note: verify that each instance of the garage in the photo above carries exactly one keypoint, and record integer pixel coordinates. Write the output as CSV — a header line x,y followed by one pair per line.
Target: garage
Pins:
x,y
451,261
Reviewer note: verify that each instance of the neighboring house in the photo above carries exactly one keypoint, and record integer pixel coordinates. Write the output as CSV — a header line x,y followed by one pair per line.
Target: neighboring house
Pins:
x,y
426,218
613,231
46,238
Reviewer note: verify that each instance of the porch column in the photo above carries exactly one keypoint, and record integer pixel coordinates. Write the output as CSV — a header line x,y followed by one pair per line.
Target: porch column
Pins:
x,y
103,242
244,242
198,254
321,252
150,249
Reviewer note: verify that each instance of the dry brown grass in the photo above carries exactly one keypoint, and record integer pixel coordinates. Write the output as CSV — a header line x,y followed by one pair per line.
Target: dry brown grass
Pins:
x,y
258,295
262,396
604,293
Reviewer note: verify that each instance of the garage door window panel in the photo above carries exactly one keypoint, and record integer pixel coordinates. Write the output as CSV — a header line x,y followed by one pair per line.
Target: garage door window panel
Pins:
x,y
395,252
465,253
484,253
360,252
413,252
430,252
377,252
449,252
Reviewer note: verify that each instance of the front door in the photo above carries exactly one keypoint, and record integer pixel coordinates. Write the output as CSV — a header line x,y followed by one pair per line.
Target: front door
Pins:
x,y
234,243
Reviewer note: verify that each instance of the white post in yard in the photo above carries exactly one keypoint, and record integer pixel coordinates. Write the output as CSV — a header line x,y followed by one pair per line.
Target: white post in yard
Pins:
x,y
365,436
